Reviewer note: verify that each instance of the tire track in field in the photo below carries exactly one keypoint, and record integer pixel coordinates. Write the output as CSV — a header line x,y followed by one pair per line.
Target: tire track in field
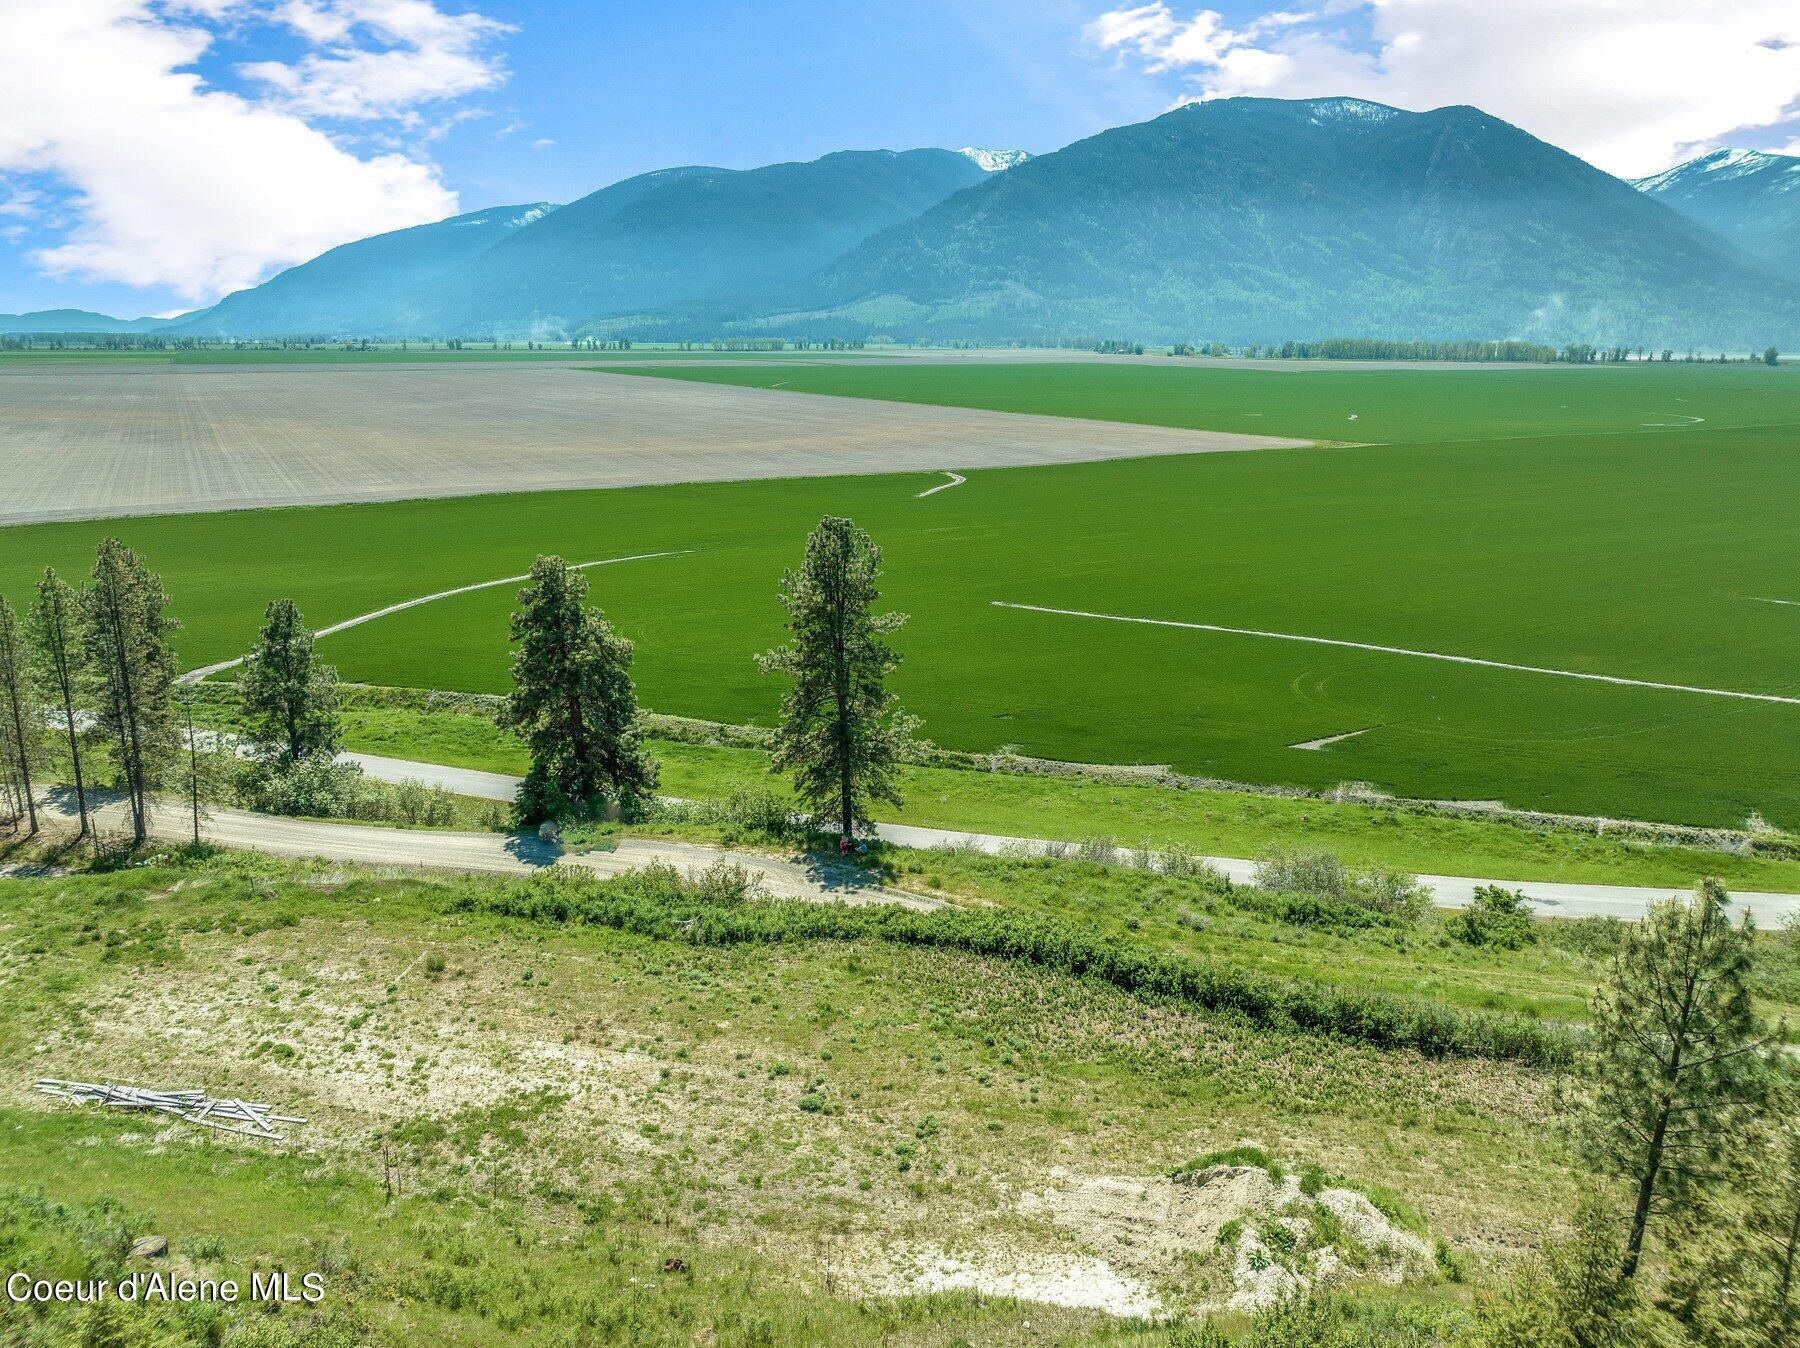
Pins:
x,y
956,480
207,671
1615,679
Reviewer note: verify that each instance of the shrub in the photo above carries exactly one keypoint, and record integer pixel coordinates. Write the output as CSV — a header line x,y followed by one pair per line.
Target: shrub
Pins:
x,y
321,789
316,787
1498,917
710,911
1378,888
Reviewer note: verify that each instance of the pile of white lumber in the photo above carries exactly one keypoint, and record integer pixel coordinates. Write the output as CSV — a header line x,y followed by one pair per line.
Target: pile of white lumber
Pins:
x,y
249,1117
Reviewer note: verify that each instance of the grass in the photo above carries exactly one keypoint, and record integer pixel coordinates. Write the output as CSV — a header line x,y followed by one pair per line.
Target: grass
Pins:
x,y
563,1109
1386,405
1216,823
1590,544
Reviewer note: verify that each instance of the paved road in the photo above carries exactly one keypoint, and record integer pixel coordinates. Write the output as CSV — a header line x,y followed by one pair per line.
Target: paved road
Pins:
x,y
1447,891
493,853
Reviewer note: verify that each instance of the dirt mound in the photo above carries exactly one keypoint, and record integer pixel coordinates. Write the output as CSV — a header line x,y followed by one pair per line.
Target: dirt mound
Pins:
x,y
1234,1236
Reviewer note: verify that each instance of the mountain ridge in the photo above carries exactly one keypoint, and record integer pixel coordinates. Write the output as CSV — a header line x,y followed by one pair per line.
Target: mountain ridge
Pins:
x,y
1749,197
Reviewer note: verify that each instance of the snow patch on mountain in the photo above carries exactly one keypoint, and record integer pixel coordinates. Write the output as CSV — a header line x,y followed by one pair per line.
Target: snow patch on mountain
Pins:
x,y
1723,166
1324,110
994,161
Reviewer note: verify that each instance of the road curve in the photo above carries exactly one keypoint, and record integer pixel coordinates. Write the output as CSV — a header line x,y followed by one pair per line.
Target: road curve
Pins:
x,y
1550,898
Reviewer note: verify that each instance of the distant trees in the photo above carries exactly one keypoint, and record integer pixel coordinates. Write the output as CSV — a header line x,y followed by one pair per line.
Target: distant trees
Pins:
x,y
19,724
841,735
1677,1069
573,701
1771,356
289,698
58,663
125,640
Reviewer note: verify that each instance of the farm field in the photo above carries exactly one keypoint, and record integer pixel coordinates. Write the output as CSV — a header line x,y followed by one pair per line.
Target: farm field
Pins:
x,y
1593,545
1383,403
104,440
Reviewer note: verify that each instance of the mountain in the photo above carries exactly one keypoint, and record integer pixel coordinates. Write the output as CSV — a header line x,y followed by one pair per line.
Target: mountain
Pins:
x,y
679,235
336,292
76,320
1748,196
1245,219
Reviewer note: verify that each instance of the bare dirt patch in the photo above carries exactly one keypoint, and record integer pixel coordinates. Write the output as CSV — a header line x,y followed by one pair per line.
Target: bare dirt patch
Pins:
x,y
87,442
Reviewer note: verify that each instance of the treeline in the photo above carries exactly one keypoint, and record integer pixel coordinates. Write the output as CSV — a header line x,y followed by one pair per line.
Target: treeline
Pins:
x,y
90,689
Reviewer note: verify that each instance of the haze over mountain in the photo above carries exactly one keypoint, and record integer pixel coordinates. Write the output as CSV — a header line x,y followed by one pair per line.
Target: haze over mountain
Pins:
x,y
670,237
1749,196
75,320
1237,220
338,291
1259,219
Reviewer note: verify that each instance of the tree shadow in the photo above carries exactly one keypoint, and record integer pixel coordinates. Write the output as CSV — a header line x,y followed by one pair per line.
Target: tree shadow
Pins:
x,y
531,850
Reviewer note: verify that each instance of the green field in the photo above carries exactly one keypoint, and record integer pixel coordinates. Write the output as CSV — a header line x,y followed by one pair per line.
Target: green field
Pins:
x,y
1529,517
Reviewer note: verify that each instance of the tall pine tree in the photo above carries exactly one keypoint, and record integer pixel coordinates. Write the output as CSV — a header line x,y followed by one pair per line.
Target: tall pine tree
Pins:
x,y
1678,1067
59,664
841,734
125,635
19,722
289,699
573,701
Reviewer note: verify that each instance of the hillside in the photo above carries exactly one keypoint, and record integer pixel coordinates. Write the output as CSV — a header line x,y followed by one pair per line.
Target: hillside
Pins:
x,y
668,237
75,320
1747,196
339,292
1257,219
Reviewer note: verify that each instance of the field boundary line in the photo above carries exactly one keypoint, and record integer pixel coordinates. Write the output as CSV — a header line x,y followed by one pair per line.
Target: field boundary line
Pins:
x,y
207,671
1616,679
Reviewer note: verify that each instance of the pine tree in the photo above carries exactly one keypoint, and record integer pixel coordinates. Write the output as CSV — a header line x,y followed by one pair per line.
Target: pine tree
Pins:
x,y
57,657
1677,1067
289,699
1732,1269
125,636
841,734
573,701
19,722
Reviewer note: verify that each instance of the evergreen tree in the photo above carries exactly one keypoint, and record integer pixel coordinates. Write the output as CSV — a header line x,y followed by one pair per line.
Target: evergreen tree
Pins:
x,y
1575,1296
125,637
19,723
290,700
573,701
57,657
1732,1271
841,734
1677,1064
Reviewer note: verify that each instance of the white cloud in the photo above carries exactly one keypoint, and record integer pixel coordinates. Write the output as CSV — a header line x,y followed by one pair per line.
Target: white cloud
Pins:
x,y
1630,85
423,55
174,183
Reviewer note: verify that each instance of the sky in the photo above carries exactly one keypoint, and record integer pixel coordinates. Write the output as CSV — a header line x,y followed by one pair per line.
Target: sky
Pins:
x,y
157,154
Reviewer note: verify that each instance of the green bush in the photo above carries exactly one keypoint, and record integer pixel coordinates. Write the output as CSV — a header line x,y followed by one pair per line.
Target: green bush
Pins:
x,y
658,902
1379,889
1500,918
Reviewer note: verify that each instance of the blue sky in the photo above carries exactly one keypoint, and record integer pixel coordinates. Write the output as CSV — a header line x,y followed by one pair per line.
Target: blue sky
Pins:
x,y
156,153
